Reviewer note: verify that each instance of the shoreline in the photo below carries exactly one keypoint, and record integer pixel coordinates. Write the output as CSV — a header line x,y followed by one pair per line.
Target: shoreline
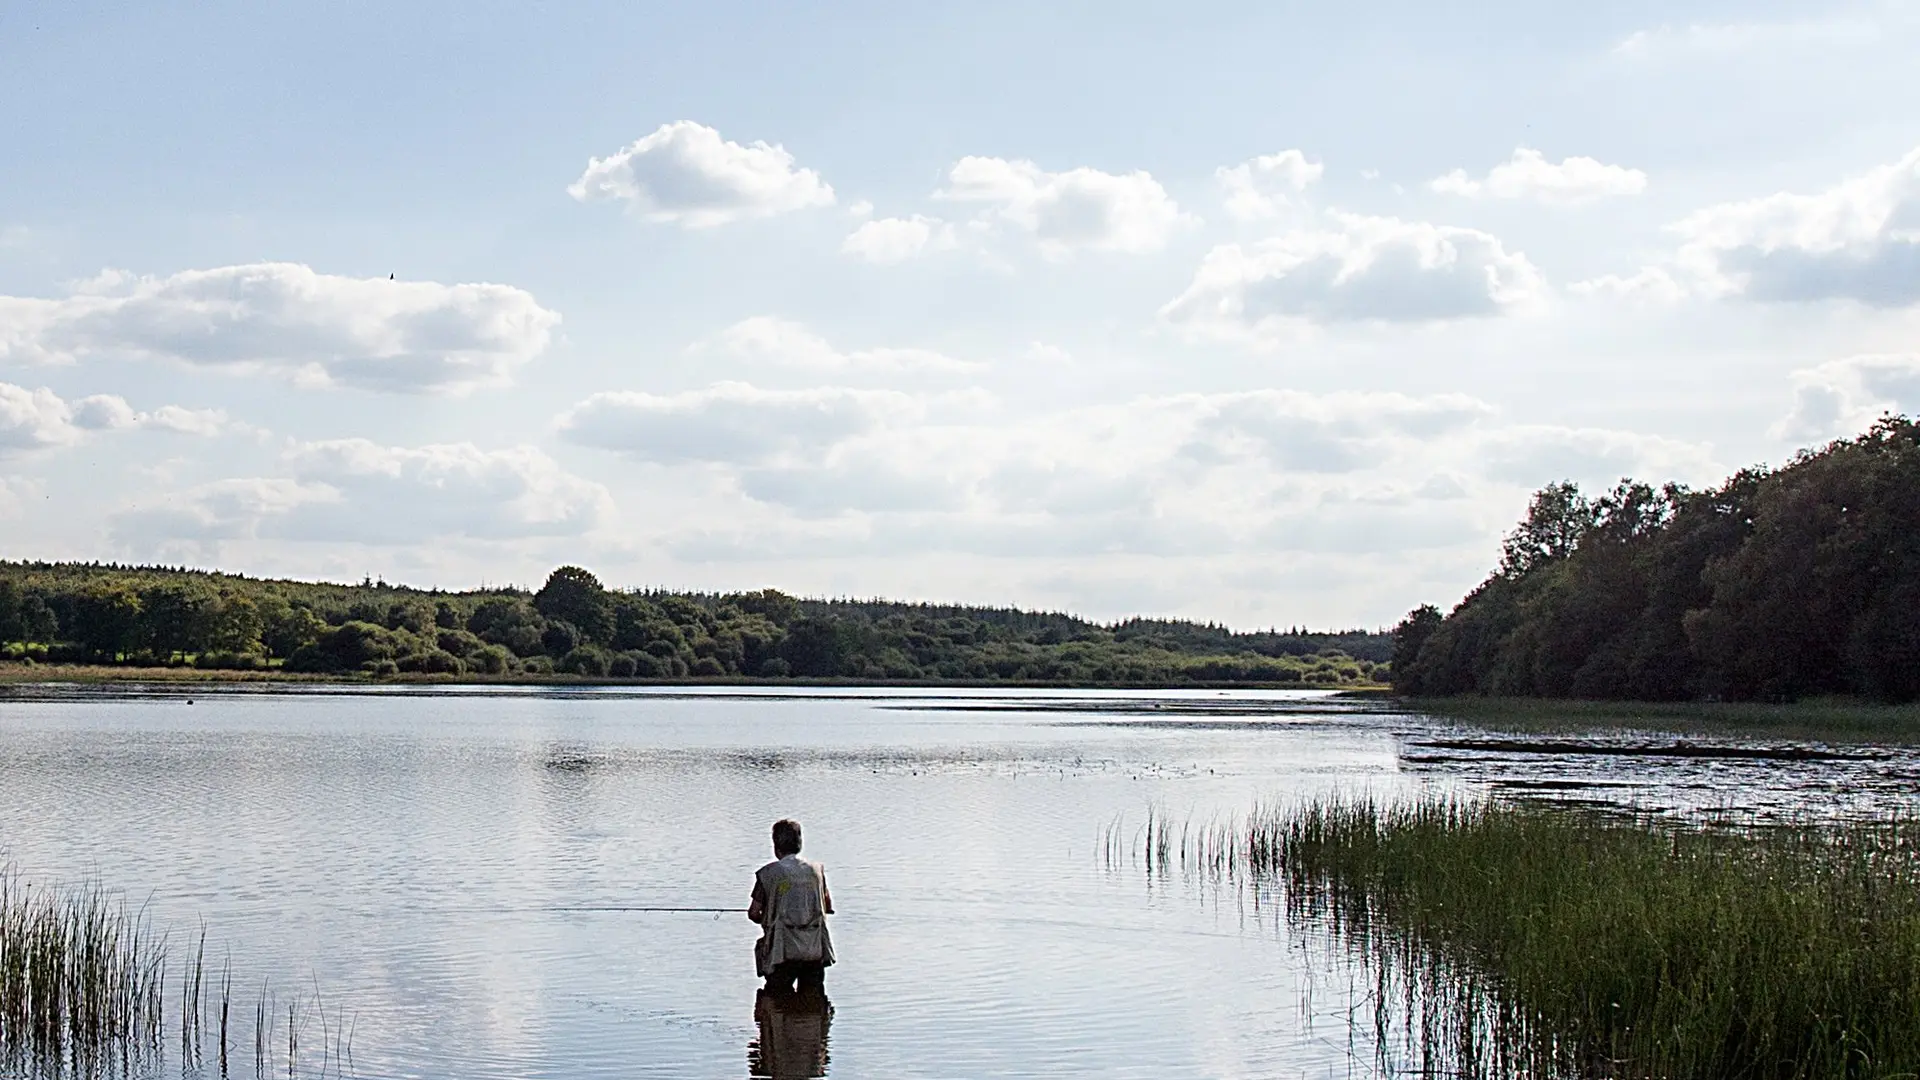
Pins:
x,y
1829,719
20,675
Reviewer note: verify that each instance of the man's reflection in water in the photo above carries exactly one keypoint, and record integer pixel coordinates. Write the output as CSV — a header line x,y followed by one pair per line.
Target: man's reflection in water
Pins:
x,y
793,1033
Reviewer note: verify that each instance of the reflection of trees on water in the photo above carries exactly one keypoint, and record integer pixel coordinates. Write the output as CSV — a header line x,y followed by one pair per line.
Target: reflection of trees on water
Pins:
x,y
793,1034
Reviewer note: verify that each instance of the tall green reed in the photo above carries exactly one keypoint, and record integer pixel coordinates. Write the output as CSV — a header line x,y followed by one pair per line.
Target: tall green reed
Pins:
x,y
80,976
84,984
1521,940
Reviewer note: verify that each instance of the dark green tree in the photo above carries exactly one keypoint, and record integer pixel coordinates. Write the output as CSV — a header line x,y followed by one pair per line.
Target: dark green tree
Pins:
x,y
1408,638
1557,517
106,620
10,626
175,618
575,596
814,647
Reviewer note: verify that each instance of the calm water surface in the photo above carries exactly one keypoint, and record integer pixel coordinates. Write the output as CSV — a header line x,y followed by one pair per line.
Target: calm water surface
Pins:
x,y
408,859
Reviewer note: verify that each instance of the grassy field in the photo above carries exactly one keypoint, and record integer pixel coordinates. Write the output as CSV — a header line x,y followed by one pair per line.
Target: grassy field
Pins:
x,y
1525,941
1838,720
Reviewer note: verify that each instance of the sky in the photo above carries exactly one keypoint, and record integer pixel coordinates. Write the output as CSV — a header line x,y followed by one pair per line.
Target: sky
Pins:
x,y
1262,313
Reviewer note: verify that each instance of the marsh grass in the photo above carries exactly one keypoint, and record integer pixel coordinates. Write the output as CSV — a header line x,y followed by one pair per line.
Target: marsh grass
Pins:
x,y
1518,940
1821,719
84,989
80,977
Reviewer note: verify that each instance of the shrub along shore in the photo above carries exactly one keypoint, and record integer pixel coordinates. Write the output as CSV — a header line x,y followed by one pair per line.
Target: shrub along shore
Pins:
x,y
1513,940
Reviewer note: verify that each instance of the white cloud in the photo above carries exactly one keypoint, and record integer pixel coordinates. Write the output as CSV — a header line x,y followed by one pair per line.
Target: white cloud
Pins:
x,y
1858,240
892,240
184,421
732,422
863,480
400,494
1529,175
1733,39
353,490
33,419
1259,188
1186,475
283,318
1363,269
1327,433
1080,209
1207,453
1534,455
1844,397
686,174
199,519
766,338
40,419
1651,284
104,412
1039,352
110,412
16,494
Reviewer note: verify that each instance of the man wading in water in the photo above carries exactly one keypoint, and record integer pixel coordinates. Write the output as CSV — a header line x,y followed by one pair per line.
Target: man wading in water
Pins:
x,y
791,903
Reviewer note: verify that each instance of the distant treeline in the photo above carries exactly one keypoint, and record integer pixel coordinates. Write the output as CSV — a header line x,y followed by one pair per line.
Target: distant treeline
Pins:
x,y
53,612
1774,586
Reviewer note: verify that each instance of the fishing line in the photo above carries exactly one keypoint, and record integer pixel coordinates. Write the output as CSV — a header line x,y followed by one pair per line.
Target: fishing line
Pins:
x,y
583,908
617,907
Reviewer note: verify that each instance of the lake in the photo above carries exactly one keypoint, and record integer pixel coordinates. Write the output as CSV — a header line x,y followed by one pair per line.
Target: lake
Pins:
x,y
450,874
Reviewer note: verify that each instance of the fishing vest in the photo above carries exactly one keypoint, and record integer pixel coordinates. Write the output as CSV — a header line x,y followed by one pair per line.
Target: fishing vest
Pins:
x,y
794,925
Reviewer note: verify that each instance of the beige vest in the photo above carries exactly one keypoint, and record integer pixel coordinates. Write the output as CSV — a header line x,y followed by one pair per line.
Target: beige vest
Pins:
x,y
794,925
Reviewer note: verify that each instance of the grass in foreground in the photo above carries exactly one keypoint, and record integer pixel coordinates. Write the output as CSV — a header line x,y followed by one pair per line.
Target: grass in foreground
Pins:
x,y
88,988
1828,720
1525,941
80,978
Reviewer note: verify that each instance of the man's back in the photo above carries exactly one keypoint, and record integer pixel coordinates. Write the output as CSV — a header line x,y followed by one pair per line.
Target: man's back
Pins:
x,y
795,902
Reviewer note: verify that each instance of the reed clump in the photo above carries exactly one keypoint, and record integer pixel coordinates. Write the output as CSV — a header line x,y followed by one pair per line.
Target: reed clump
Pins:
x,y
1513,940
80,977
85,986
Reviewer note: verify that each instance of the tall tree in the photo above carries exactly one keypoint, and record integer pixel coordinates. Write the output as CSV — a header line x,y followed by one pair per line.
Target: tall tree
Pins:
x,y
106,620
573,595
1557,517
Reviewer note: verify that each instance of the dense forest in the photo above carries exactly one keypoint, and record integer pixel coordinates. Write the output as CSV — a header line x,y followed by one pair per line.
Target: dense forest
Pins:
x,y
1774,586
102,614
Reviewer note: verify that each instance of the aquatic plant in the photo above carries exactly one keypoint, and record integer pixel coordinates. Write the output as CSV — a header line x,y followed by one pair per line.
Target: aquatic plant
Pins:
x,y
84,986
80,976
1519,940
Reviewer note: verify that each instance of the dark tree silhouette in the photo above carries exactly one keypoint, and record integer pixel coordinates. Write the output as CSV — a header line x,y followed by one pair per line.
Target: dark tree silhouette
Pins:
x,y
1776,585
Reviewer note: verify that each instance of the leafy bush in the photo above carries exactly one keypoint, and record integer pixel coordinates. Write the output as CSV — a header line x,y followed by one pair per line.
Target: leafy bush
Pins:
x,y
432,662
492,660
229,661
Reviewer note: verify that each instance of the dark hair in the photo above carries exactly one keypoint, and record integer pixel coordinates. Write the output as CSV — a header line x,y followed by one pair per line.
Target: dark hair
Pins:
x,y
786,837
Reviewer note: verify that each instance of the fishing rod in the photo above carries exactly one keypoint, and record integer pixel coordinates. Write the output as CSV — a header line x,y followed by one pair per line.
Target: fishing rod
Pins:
x,y
566,908
587,908
626,907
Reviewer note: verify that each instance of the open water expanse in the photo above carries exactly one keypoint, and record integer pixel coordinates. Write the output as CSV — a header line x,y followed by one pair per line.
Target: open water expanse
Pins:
x,y
424,867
